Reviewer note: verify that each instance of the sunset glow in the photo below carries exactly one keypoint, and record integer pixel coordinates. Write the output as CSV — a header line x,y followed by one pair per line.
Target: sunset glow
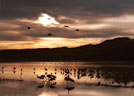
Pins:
x,y
46,17
67,47
62,42
44,95
46,20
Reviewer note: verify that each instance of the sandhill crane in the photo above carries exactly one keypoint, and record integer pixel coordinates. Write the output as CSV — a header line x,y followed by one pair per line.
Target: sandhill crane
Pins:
x,y
41,77
14,68
50,34
51,77
34,69
77,30
68,79
45,69
29,28
66,26
2,68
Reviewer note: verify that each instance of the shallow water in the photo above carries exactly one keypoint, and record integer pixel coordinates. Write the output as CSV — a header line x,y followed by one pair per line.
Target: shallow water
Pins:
x,y
66,79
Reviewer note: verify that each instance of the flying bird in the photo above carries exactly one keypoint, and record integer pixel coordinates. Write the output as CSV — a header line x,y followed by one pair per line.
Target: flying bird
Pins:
x,y
77,30
50,34
29,28
66,26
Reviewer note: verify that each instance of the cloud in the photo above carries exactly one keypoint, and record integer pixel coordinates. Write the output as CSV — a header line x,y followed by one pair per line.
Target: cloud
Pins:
x,y
69,8
17,30
96,19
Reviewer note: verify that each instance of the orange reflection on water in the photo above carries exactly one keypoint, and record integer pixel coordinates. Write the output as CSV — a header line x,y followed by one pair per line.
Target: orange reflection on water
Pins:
x,y
62,78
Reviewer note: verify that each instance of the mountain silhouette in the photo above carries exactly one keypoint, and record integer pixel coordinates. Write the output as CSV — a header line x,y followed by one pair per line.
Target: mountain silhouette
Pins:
x,y
118,49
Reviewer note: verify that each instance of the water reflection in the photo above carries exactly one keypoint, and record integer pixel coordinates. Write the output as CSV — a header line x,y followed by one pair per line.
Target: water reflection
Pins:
x,y
68,79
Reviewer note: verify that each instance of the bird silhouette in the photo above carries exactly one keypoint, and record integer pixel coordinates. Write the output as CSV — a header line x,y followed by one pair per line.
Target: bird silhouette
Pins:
x,y
51,77
77,30
45,69
14,68
66,26
98,75
41,77
34,69
45,73
68,79
2,68
29,28
2,72
50,34
67,71
14,72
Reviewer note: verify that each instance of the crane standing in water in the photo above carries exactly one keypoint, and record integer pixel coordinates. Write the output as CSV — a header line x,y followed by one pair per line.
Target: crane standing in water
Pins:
x,y
41,77
68,79
51,77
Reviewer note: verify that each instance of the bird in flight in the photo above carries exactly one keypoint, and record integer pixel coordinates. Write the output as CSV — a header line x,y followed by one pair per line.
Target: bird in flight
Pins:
x,y
69,27
50,34
66,26
77,30
29,28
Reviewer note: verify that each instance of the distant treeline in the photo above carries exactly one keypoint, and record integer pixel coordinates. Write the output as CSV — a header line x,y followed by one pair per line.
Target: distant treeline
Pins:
x,y
110,50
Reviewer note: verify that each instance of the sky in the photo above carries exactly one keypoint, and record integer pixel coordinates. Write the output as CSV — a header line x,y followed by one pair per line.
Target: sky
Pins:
x,y
97,20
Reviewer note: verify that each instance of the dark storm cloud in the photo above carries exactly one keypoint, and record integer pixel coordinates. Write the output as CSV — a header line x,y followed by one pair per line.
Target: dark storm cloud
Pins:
x,y
70,8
